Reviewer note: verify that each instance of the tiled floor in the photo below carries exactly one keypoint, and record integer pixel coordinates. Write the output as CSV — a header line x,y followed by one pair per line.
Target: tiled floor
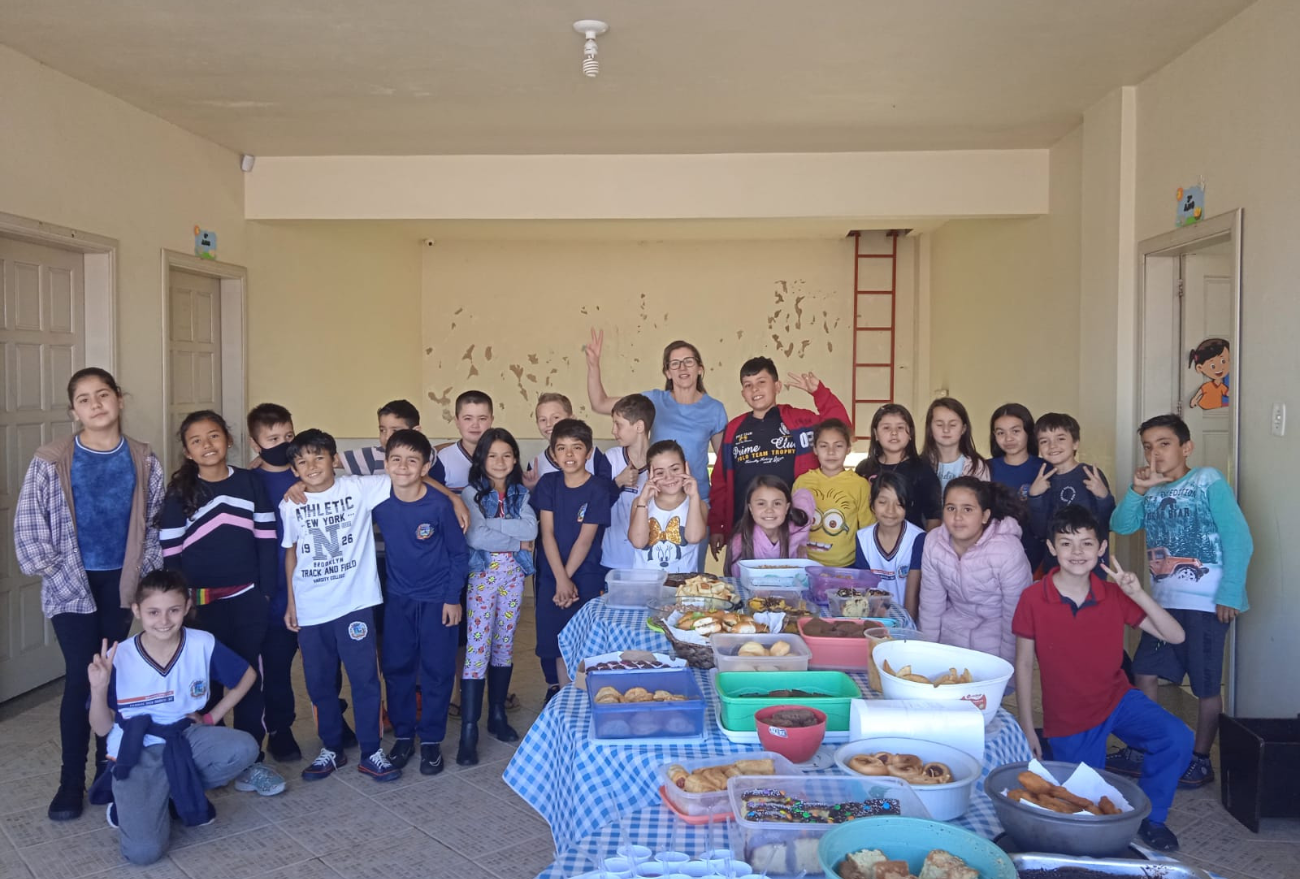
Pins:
x,y
465,823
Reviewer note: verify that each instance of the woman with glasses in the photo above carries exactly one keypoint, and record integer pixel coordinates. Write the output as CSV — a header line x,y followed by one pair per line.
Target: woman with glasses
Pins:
x,y
683,411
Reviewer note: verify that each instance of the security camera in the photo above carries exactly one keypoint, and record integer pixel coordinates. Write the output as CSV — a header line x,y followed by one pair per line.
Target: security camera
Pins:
x,y
429,242
246,162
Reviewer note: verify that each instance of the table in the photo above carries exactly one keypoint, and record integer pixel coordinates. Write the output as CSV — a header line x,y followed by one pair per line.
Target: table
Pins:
x,y
597,629
578,786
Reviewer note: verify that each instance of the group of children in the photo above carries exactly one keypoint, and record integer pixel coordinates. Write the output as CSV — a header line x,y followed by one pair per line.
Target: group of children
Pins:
x,y
381,567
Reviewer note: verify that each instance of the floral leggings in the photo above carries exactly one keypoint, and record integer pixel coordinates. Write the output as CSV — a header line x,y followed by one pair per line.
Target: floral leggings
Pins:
x,y
493,600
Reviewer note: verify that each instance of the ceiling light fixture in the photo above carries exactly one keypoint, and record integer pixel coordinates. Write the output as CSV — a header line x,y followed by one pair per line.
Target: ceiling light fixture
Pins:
x,y
590,28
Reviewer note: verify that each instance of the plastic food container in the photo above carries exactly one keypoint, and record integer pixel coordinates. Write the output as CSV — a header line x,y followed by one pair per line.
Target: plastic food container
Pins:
x,y
637,589
877,605
647,720
943,801
909,839
715,802
840,654
726,657
774,572
822,581
780,849
883,634
738,694
991,673
1094,836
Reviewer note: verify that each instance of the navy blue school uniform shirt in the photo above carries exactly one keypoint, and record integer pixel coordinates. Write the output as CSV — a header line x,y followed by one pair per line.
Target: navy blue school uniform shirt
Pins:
x,y
1018,477
276,483
426,555
1063,490
571,508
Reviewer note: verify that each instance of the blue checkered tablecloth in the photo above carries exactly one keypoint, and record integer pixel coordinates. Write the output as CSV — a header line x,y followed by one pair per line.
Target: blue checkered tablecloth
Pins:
x,y
598,629
578,786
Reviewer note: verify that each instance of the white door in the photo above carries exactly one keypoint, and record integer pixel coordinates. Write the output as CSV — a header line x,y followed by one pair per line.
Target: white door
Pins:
x,y
193,351
1207,316
42,334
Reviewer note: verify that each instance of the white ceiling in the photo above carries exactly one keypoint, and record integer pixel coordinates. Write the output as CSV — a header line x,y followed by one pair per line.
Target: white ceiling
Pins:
x,y
411,77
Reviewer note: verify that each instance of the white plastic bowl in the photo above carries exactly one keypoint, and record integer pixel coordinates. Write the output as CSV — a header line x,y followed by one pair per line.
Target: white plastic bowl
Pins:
x,y
991,674
945,801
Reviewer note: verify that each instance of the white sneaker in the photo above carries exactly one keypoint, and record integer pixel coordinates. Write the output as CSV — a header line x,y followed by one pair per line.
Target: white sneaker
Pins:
x,y
261,778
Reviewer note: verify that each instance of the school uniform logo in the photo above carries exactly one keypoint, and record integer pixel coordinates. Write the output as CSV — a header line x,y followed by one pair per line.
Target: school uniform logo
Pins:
x,y
198,689
357,630
423,531
582,512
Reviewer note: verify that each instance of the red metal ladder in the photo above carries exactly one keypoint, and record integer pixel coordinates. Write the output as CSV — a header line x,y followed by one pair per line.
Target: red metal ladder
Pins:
x,y
873,375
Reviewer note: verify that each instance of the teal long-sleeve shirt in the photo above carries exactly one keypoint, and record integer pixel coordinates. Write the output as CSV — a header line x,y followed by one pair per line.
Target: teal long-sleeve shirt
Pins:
x,y
1198,542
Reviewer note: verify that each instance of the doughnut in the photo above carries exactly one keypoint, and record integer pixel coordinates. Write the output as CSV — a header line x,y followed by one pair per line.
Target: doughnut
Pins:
x,y
1034,783
935,773
867,764
906,766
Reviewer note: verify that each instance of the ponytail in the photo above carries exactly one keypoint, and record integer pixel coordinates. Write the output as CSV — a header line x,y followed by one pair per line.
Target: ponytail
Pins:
x,y
1000,500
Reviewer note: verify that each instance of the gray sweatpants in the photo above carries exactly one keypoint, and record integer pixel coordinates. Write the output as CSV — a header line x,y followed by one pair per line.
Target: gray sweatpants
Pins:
x,y
143,818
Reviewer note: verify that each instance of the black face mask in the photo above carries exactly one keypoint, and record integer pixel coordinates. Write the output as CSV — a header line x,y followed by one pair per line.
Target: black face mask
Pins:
x,y
277,456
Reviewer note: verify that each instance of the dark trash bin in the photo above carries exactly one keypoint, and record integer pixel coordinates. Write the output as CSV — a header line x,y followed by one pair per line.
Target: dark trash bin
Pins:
x,y
1259,764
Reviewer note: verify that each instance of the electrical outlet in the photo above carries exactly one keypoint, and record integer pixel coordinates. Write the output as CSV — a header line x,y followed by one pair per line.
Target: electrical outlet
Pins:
x,y
1279,419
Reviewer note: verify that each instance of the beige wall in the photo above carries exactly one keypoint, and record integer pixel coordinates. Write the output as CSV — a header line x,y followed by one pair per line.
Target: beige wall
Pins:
x,y
511,318
1004,303
1229,110
75,157
334,321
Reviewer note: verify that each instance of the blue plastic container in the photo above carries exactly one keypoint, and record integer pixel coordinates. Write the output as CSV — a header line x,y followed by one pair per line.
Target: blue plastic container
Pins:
x,y
911,839
647,720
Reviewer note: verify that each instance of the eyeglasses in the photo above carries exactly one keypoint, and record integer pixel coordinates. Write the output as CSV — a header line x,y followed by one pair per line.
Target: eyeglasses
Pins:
x,y
685,362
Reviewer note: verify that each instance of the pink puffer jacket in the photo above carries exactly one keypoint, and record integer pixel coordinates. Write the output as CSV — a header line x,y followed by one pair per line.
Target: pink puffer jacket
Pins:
x,y
969,601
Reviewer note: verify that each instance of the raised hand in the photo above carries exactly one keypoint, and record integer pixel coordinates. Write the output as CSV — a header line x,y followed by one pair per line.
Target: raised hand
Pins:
x,y
1042,482
650,491
1094,483
594,347
804,381
1127,581
716,543
627,478
1145,478
100,670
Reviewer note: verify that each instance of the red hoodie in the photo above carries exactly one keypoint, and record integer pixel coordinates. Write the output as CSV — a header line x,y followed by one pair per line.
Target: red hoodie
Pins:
x,y
800,423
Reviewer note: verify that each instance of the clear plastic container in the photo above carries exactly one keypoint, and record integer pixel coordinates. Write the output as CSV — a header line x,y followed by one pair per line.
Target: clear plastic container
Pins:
x,y
782,849
637,589
713,802
822,581
647,720
726,656
774,572
880,636
859,599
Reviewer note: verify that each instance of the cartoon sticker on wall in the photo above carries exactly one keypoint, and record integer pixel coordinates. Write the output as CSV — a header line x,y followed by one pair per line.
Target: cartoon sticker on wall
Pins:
x,y
1191,205
205,243
1213,360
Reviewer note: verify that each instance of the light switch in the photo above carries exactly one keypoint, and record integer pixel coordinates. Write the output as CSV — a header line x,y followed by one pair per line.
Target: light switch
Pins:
x,y
1279,419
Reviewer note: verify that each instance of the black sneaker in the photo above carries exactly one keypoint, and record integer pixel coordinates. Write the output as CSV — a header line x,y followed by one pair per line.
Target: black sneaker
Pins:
x,y
378,767
430,760
68,802
1126,761
401,752
283,746
324,765
1158,836
1199,773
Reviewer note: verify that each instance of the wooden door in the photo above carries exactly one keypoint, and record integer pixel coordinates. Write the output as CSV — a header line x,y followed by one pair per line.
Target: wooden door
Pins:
x,y
1207,313
42,337
193,352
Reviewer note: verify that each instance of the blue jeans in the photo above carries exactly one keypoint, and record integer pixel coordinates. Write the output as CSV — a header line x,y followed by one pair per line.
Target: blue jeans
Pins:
x,y
1142,724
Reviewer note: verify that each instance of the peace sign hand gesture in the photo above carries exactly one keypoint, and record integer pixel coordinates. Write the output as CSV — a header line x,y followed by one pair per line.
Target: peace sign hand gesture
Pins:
x,y
1041,482
1094,483
594,347
1127,581
100,670
689,485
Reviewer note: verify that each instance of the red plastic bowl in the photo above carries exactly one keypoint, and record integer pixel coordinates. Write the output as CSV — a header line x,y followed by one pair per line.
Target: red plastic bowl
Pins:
x,y
796,744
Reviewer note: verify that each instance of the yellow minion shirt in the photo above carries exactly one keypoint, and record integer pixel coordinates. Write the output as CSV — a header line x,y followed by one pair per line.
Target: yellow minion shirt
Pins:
x,y
843,506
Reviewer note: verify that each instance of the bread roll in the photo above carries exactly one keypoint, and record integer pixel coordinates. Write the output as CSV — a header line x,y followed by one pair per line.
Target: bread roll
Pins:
x,y
751,648
780,648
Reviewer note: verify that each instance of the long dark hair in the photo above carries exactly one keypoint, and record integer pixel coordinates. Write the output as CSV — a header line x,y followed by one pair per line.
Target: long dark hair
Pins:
x,y
1002,502
745,527
901,487
699,359
966,445
1015,410
869,466
94,372
185,482
478,478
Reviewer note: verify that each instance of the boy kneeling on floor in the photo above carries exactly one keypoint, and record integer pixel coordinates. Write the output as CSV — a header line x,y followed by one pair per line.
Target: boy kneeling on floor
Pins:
x,y
1073,622
146,695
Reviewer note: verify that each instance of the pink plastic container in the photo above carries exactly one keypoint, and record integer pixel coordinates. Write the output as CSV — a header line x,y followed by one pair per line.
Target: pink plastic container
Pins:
x,y
837,654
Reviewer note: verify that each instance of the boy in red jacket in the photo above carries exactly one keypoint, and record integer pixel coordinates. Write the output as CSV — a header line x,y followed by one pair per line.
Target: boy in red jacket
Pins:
x,y
772,438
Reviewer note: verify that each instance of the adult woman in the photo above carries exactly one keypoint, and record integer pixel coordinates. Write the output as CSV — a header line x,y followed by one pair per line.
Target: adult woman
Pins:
x,y
683,411
85,525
